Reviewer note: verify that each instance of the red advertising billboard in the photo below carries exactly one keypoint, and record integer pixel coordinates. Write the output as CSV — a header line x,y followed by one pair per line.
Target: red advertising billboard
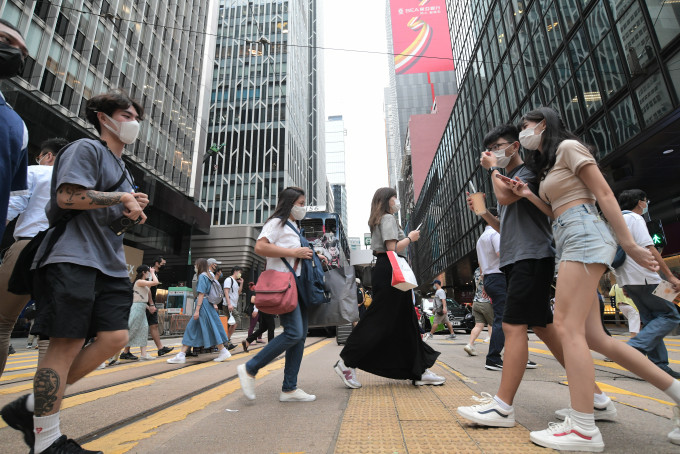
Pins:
x,y
420,36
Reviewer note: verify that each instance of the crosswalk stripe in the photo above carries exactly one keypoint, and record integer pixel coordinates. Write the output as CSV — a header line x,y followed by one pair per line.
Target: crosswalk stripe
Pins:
x,y
128,437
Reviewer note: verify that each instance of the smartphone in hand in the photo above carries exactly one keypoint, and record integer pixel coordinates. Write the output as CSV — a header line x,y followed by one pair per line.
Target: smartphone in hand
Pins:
x,y
504,178
419,225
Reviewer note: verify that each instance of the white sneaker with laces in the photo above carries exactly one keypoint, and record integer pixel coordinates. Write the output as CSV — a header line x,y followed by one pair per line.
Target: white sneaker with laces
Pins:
x,y
488,412
602,412
177,359
429,378
297,396
347,374
247,382
101,366
674,435
147,357
567,436
427,337
470,350
223,356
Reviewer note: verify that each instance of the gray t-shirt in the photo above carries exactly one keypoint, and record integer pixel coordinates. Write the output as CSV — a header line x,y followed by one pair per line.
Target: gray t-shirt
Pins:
x,y
388,229
525,230
88,240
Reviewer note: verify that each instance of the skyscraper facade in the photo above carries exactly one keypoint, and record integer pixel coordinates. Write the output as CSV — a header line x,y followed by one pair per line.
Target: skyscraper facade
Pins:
x,y
263,131
152,50
335,165
610,68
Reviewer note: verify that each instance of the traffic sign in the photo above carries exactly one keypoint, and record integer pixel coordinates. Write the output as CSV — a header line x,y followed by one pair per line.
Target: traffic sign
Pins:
x,y
367,239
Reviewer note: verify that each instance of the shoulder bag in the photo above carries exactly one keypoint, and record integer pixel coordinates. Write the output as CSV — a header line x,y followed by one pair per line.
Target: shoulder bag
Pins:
x,y
277,291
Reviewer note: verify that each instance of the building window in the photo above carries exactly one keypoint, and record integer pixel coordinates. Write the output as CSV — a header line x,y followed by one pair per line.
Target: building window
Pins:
x,y
42,9
29,64
109,69
666,19
47,84
66,97
94,58
62,26
654,99
635,40
79,43
625,122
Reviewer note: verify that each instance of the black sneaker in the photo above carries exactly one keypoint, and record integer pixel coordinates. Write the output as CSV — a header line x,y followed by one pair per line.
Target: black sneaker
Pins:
x,y
129,356
531,365
11,350
65,445
165,350
191,353
231,346
493,366
18,417
670,372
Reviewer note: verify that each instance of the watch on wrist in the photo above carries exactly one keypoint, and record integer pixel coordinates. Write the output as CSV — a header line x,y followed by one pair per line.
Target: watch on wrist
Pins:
x,y
494,168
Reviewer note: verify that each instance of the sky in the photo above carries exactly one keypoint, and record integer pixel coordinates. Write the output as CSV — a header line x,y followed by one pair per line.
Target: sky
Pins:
x,y
354,85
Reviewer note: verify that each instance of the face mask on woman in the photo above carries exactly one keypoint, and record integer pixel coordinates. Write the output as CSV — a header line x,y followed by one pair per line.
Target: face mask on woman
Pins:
x,y
529,139
298,212
396,207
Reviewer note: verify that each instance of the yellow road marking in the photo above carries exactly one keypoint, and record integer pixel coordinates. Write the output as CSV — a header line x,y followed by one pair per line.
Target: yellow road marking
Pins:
x,y
609,389
456,373
128,437
32,360
13,376
27,366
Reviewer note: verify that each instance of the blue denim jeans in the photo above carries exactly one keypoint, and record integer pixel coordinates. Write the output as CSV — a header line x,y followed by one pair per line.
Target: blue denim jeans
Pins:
x,y
659,317
292,341
496,287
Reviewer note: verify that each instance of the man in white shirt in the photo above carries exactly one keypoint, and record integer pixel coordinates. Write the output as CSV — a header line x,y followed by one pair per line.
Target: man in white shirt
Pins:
x,y
488,256
658,315
233,287
30,207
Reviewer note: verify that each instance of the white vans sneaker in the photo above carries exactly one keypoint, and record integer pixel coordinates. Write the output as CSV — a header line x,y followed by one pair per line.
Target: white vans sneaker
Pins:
x,y
567,436
427,337
488,412
223,356
347,374
178,359
297,396
247,382
470,350
429,378
602,412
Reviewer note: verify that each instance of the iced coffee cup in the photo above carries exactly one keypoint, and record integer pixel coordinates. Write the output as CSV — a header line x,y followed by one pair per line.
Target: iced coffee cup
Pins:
x,y
478,203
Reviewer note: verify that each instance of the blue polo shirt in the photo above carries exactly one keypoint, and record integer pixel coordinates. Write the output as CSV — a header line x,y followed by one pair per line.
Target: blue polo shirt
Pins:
x,y
13,157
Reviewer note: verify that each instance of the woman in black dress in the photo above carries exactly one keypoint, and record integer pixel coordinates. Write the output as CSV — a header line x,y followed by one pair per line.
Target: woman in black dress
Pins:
x,y
387,341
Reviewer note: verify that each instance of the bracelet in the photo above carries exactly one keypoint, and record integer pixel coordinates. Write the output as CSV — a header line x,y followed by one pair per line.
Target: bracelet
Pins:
x,y
409,239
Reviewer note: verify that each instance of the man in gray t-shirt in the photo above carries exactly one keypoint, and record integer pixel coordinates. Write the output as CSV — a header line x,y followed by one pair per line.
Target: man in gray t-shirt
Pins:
x,y
84,290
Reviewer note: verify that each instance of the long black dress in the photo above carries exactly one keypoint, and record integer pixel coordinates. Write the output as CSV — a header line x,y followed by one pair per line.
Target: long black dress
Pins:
x,y
387,341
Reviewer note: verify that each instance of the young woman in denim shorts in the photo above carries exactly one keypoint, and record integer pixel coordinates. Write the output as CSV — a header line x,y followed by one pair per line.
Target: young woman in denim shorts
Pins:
x,y
570,183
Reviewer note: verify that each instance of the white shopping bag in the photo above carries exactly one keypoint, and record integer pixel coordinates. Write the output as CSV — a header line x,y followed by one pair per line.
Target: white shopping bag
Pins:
x,y
402,274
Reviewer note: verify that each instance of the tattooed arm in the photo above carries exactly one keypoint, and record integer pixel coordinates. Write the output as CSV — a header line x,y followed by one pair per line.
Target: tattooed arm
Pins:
x,y
75,197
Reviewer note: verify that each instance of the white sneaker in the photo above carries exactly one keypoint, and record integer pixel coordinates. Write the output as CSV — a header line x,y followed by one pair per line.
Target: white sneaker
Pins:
x,y
567,436
297,396
470,350
247,382
177,359
427,337
602,412
101,366
147,357
674,435
451,336
223,356
429,378
487,340
348,375
488,412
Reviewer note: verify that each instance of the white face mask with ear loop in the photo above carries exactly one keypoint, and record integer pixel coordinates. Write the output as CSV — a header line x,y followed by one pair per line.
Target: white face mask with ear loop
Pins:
x,y
127,130
529,139
298,212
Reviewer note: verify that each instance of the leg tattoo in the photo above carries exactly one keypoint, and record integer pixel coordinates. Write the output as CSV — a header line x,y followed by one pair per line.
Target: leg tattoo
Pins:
x,y
45,388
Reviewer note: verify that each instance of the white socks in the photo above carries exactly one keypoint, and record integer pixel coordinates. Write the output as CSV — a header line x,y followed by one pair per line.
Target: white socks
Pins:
x,y
600,399
583,420
47,431
673,391
502,404
181,355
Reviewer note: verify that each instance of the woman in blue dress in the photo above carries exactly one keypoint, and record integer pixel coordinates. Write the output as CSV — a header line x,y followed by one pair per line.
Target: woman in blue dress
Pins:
x,y
204,329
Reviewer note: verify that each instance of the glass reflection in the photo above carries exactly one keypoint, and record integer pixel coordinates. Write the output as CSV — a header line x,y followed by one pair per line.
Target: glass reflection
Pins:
x,y
601,139
666,15
654,100
637,44
598,23
609,65
587,82
624,120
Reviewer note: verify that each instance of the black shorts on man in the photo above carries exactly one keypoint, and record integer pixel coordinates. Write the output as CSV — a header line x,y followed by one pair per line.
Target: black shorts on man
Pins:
x,y
528,296
77,301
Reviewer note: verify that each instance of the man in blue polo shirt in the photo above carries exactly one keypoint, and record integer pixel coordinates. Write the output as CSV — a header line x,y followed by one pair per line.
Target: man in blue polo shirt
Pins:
x,y
13,133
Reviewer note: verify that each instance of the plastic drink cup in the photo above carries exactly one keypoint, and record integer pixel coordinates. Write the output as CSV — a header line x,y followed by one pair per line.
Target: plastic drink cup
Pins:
x,y
478,203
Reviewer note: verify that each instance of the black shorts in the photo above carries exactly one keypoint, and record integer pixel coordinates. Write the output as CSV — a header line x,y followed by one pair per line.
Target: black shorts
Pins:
x,y
528,292
77,302
152,319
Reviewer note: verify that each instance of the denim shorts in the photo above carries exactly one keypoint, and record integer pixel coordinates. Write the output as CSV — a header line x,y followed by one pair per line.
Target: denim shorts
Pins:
x,y
581,235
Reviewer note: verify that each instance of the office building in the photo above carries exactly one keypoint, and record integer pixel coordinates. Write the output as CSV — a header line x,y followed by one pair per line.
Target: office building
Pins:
x,y
149,49
611,70
335,165
265,128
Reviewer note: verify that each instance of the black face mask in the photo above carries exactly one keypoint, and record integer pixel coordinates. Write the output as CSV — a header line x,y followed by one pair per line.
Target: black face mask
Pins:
x,y
11,61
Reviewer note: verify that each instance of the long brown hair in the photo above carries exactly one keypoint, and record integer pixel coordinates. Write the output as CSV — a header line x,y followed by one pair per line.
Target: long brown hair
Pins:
x,y
380,206
201,266
284,206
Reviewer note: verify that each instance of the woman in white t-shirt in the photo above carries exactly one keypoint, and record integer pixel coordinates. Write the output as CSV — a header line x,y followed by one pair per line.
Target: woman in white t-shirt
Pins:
x,y
278,241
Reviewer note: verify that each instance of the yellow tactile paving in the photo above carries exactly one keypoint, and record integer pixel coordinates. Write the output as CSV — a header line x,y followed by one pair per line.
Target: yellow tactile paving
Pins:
x,y
393,417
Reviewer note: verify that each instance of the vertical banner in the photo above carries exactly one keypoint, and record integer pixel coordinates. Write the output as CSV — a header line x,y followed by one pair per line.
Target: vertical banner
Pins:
x,y
420,36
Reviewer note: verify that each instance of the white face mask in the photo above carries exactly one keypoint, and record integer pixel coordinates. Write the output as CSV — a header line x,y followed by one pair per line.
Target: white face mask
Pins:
x,y
396,207
529,139
501,159
127,130
298,212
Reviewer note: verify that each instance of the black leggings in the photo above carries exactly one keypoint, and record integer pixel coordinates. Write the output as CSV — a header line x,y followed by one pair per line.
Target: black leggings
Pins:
x,y
266,324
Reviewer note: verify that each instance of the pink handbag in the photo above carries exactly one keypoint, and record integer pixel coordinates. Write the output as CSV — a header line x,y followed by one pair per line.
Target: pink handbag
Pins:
x,y
276,292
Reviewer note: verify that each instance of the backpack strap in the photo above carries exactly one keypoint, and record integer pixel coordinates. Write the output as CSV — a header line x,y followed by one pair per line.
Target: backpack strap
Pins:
x,y
292,270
